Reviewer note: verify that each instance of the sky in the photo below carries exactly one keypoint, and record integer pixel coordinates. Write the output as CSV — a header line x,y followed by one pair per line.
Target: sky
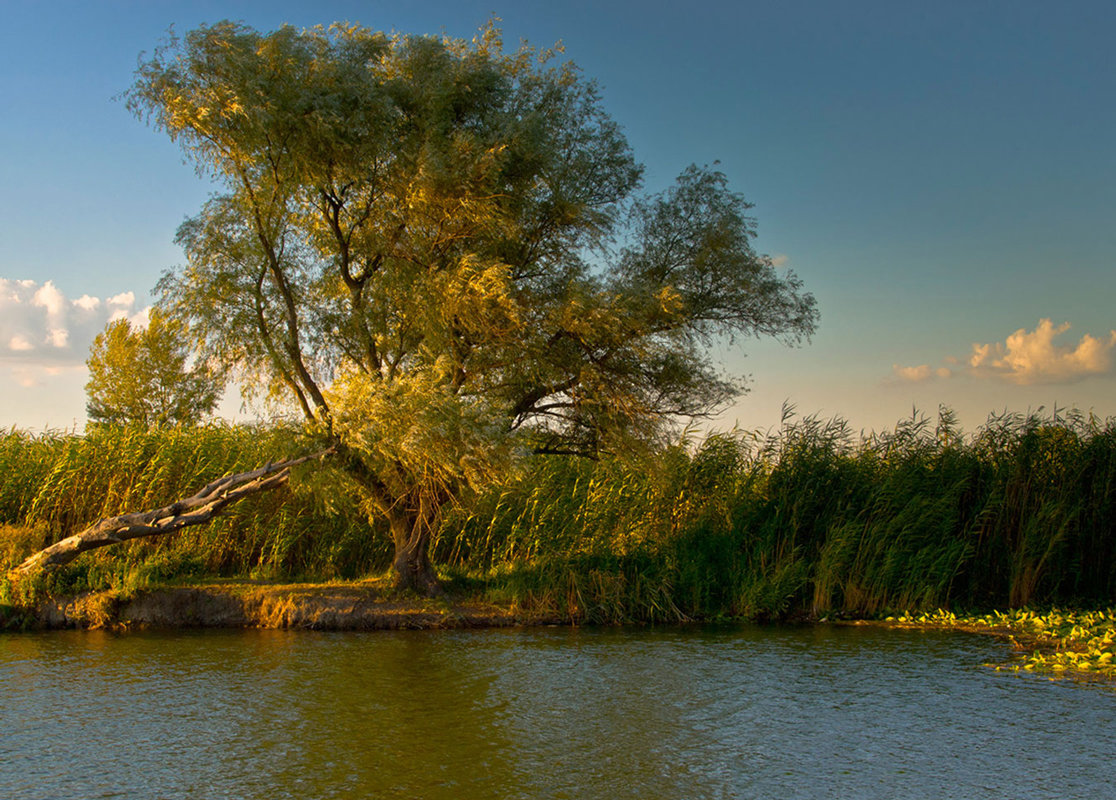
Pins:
x,y
942,177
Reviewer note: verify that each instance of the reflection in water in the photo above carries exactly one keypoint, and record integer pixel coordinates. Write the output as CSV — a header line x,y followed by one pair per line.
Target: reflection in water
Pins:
x,y
614,713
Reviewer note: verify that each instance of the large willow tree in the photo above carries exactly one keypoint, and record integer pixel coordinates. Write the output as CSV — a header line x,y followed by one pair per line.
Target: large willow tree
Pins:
x,y
434,249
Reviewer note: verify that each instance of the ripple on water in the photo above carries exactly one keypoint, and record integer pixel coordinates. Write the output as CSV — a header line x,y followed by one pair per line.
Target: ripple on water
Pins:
x,y
734,712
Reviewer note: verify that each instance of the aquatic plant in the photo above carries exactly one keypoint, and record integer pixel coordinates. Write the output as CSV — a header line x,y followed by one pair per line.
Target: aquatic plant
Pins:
x,y
810,519
1056,641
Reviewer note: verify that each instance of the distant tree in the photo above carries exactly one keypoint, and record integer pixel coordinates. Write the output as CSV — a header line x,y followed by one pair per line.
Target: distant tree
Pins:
x,y
139,376
433,248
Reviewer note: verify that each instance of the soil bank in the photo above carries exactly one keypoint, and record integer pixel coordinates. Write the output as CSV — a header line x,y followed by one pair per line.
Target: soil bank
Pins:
x,y
362,605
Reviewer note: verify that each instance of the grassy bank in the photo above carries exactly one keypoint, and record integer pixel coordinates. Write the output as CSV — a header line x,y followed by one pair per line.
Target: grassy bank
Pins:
x,y
367,604
810,519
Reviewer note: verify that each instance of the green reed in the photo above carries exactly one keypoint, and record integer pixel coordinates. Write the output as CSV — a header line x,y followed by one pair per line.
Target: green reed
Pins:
x,y
810,519
807,519
55,484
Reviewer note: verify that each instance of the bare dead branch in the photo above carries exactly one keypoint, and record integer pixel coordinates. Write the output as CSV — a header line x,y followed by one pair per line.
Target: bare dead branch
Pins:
x,y
194,510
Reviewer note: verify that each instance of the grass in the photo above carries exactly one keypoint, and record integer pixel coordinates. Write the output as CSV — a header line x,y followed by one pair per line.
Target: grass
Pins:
x,y
803,521
53,484
811,520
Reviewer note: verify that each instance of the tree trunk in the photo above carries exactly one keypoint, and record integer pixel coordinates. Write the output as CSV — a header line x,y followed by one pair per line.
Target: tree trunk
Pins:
x,y
412,515
411,531
195,510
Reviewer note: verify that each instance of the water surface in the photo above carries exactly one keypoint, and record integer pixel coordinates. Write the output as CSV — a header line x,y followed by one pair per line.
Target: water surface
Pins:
x,y
732,712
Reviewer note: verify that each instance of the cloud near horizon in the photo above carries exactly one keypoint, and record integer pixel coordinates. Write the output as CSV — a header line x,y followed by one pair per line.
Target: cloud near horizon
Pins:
x,y
1026,358
43,333
923,372
1032,357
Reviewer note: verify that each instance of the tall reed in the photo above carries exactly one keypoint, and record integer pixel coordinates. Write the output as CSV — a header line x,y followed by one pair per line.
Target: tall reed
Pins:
x,y
811,519
57,484
807,519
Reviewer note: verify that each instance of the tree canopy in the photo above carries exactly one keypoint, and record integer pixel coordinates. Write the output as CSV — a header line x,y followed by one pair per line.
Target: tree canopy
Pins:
x,y
140,376
435,249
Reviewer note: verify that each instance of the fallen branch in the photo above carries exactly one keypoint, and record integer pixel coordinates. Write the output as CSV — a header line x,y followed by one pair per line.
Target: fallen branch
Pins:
x,y
195,510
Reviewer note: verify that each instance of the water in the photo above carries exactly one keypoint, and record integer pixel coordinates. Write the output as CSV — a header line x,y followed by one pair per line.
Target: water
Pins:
x,y
741,712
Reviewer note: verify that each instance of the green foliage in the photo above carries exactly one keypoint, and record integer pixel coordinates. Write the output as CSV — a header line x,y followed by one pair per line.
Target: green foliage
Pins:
x,y
807,520
138,376
434,248
53,485
804,520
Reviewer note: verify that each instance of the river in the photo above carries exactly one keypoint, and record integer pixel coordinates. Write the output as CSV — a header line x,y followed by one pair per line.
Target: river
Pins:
x,y
705,712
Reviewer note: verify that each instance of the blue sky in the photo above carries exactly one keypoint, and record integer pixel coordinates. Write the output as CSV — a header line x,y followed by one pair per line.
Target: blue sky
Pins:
x,y
942,176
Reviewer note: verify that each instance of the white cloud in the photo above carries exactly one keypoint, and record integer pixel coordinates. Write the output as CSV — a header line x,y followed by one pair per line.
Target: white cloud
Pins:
x,y
1024,358
27,377
923,372
43,378
142,318
1033,357
915,374
48,297
780,260
40,327
58,337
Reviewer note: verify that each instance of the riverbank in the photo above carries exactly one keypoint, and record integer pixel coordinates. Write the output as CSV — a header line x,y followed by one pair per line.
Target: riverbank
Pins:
x,y
806,518
1058,642
359,605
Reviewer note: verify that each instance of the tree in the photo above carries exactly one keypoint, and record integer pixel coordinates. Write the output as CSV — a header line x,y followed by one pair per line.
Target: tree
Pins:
x,y
434,249
140,376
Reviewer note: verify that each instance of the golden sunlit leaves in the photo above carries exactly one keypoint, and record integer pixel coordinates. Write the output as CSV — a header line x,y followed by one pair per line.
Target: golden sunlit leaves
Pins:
x,y
416,242
418,434
140,376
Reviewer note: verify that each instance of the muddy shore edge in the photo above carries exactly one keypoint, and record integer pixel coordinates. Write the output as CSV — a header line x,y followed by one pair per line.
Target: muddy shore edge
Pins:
x,y
348,607
1086,651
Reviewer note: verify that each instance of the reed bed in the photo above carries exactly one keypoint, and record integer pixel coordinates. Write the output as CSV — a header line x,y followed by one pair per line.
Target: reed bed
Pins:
x,y
809,519
54,484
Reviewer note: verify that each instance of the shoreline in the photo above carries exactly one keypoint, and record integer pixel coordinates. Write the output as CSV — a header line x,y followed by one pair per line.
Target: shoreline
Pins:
x,y
1059,644
358,606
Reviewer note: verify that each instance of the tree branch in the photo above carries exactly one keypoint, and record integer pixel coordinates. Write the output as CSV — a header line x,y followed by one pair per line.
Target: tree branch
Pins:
x,y
195,510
